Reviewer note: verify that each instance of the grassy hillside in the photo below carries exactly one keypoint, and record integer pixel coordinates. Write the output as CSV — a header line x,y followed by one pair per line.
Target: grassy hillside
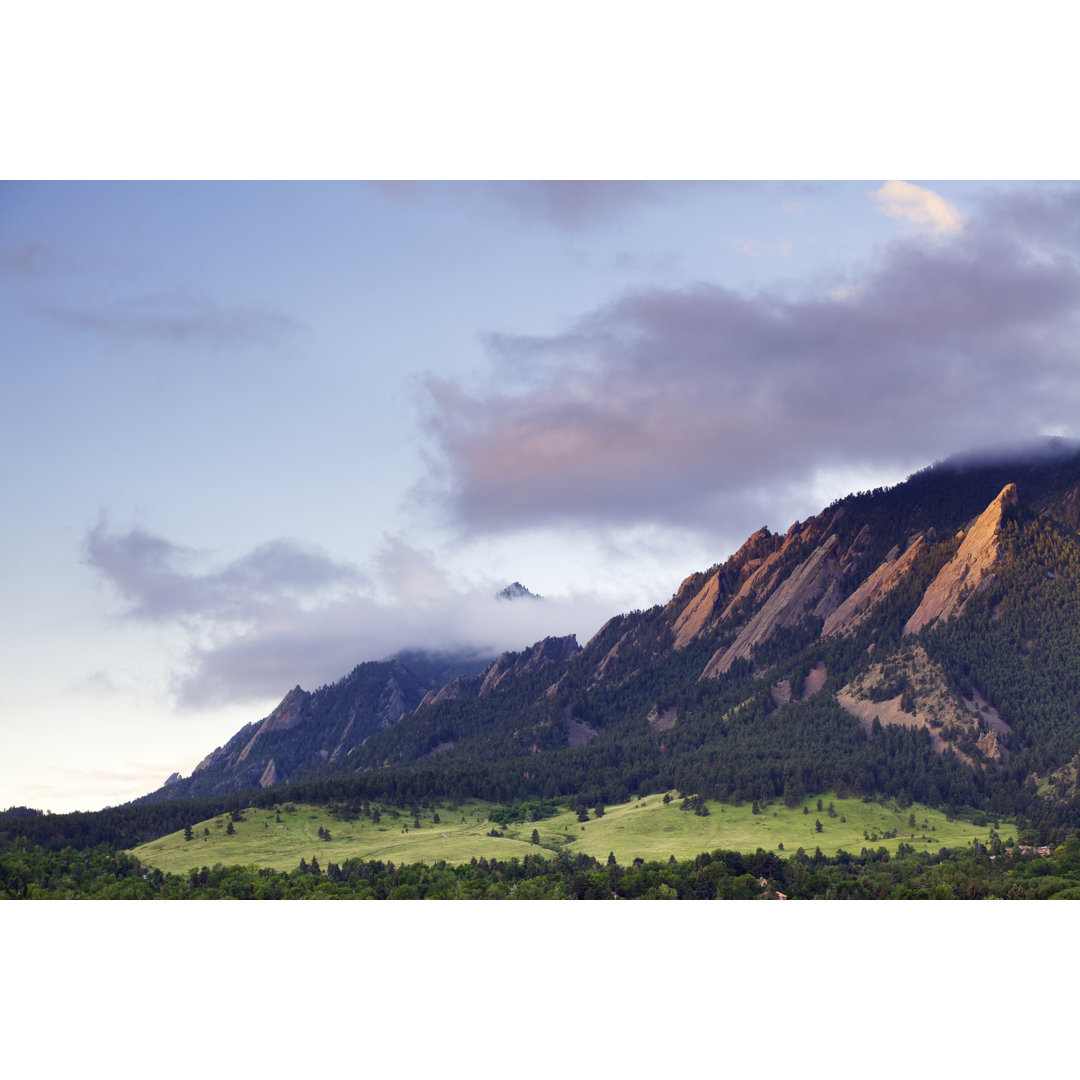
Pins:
x,y
644,828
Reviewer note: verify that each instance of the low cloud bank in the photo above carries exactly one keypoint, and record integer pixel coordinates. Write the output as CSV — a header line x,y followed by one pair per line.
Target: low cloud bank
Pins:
x,y
285,613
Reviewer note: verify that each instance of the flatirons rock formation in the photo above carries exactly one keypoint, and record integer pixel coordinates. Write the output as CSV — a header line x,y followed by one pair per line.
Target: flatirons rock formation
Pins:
x,y
968,568
854,611
811,589
862,613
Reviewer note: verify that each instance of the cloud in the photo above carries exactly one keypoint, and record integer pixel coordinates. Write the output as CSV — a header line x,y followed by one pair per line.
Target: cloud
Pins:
x,y
318,647
97,682
756,248
160,580
285,613
565,205
919,205
575,204
845,292
700,406
32,259
411,576
181,317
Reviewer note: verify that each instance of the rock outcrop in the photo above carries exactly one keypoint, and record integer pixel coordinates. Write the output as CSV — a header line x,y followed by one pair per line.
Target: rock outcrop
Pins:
x,y
698,614
270,775
393,704
812,588
610,657
549,651
880,692
702,599
289,714
967,569
857,607
516,591
452,691
662,719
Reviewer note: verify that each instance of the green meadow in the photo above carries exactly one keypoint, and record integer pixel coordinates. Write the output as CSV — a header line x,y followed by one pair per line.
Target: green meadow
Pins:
x,y
644,828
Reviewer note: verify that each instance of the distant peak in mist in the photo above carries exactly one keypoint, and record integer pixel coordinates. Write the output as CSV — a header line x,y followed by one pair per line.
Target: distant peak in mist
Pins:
x,y
516,591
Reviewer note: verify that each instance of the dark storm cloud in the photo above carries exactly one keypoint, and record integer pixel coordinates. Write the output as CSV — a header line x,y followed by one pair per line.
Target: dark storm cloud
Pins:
x,y
677,404
178,317
159,580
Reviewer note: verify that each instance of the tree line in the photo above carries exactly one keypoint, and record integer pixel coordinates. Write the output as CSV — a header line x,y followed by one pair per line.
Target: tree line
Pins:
x,y
32,872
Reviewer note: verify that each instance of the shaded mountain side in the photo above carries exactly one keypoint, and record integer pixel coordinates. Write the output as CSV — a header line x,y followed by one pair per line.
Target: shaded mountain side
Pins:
x,y
943,608
310,730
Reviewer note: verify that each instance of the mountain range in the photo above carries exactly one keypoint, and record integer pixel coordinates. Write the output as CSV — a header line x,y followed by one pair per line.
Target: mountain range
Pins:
x,y
920,641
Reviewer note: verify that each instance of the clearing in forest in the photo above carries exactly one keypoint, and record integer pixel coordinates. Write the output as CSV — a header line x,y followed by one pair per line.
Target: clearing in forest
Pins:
x,y
646,828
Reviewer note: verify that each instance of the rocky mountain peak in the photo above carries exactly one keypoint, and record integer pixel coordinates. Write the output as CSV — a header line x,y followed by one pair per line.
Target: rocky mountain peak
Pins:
x,y
550,650
968,567
516,591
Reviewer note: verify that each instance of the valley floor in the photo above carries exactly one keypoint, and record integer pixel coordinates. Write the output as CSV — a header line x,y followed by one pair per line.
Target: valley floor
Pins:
x,y
647,828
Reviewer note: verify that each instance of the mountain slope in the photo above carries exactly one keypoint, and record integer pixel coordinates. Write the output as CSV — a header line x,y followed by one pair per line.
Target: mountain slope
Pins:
x,y
308,731
919,641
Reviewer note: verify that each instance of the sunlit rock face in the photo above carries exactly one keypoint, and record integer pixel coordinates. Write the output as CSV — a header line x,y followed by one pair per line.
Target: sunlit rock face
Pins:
x,y
851,614
967,569
809,589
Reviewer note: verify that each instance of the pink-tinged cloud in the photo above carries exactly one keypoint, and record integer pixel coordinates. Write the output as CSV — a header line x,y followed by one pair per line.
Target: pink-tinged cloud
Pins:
x,y
919,205
678,405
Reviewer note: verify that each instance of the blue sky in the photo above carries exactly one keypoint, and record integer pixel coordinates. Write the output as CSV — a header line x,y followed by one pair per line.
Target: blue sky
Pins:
x,y
255,433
